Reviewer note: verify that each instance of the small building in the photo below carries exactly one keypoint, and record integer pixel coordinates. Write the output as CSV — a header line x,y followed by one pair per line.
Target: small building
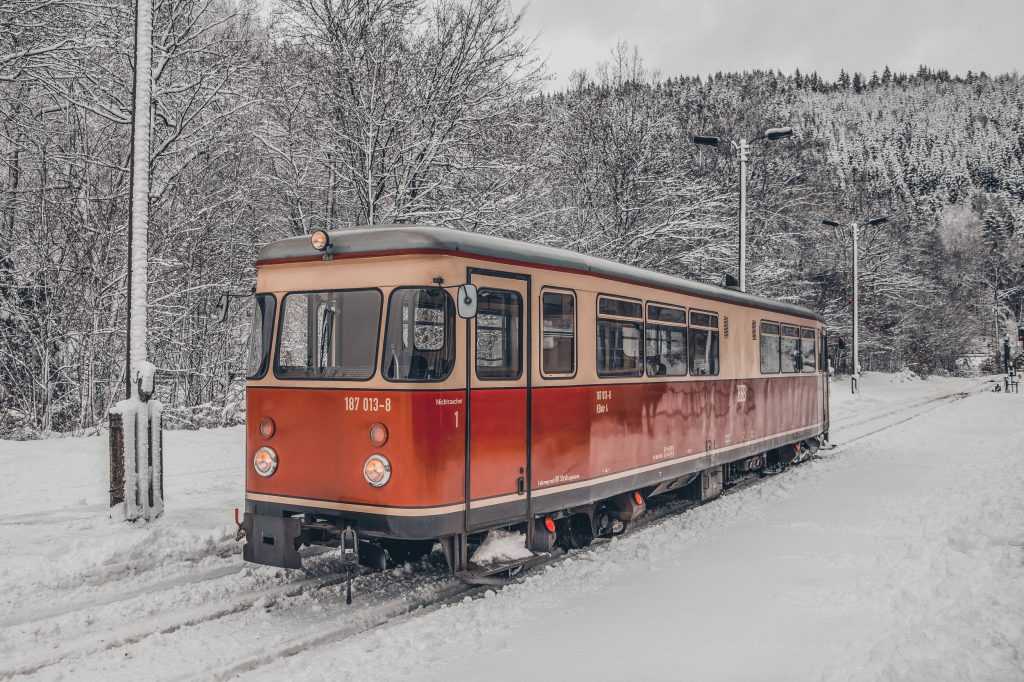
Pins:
x,y
977,359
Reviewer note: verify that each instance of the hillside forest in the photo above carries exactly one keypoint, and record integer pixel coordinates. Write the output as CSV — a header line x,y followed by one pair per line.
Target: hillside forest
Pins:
x,y
273,119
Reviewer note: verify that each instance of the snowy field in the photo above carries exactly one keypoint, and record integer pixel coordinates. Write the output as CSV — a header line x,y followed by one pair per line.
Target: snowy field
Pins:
x,y
899,555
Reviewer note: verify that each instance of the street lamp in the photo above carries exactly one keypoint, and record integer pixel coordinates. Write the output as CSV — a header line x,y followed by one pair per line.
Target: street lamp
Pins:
x,y
855,365
743,148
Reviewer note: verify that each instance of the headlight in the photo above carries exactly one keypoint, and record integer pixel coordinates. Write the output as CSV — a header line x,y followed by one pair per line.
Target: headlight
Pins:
x,y
320,240
377,470
265,461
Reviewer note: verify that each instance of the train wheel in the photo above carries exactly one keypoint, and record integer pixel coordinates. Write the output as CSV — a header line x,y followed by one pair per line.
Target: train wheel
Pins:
x,y
575,532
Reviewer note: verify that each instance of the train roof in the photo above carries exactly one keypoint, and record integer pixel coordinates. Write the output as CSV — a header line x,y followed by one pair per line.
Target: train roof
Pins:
x,y
382,239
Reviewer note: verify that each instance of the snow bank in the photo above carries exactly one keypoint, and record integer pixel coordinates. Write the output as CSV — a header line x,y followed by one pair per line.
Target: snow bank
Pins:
x,y
500,545
903,376
60,543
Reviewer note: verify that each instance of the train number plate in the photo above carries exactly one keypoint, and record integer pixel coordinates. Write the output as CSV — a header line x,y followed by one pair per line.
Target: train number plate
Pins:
x,y
357,404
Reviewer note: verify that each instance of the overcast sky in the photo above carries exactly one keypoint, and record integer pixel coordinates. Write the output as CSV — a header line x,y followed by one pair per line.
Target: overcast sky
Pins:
x,y
704,36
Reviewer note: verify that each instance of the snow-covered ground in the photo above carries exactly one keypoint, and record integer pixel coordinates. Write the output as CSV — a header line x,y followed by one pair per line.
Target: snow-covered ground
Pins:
x,y
899,555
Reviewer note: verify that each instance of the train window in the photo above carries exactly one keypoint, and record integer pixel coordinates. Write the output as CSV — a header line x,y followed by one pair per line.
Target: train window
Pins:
x,y
329,335
703,319
499,335
807,350
790,349
419,344
259,335
769,348
823,354
661,313
619,307
666,351
619,342
559,326
702,344
619,348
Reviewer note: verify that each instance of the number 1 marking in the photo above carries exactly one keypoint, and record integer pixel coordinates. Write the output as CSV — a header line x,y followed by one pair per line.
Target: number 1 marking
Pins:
x,y
456,419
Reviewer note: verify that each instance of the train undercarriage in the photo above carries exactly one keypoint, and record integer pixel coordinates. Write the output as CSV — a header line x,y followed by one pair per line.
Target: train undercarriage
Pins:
x,y
275,538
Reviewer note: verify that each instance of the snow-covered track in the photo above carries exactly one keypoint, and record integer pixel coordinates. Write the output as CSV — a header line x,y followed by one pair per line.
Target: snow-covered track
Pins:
x,y
366,614
110,638
370,616
853,431
35,614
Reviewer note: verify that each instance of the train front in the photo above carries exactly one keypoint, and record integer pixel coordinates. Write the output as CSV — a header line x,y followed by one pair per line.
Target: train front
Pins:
x,y
354,399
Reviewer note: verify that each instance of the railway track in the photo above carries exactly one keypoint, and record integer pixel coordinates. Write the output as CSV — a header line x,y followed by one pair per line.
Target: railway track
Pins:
x,y
374,605
860,427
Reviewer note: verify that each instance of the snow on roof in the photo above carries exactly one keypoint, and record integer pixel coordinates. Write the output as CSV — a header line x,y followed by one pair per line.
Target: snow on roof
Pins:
x,y
382,239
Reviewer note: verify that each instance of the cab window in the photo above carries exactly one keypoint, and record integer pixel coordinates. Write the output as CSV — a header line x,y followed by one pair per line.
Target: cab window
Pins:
x,y
259,336
329,335
419,341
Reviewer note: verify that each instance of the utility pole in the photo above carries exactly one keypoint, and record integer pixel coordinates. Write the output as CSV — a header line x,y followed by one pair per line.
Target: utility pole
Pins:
x,y
855,317
140,187
136,436
743,148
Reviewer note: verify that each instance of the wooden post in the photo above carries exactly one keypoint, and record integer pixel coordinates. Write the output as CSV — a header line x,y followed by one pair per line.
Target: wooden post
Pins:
x,y
116,459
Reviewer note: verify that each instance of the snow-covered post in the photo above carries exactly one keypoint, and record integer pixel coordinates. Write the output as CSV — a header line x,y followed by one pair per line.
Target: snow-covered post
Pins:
x,y
140,184
139,417
137,450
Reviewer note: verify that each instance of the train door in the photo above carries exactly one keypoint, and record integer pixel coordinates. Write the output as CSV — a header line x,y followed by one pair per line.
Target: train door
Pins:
x,y
498,410
826,379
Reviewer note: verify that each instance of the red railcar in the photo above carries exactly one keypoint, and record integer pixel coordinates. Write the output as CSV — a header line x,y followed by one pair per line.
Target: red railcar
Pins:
x,y
413,385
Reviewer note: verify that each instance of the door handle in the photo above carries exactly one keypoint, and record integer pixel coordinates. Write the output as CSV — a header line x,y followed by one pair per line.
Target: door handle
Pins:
x,y
521,485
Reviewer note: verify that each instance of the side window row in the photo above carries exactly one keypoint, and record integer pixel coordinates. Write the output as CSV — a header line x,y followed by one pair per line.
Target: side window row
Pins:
x,y
787,349
664,343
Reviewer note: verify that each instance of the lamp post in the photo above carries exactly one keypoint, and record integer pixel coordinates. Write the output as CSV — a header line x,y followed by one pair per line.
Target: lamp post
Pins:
x,y
855,228
743,147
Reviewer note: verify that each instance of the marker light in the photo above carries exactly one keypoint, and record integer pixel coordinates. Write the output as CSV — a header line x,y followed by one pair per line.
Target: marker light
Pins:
x,y
265,461
638,498
320,240
378,435
377,470
549,524
267,427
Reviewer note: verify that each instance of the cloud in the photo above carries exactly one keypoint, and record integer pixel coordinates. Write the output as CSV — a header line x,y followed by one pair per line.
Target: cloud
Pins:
x,y
703,36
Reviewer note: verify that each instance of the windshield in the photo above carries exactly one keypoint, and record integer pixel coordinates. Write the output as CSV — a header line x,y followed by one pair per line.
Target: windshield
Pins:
x,y
420,341
329,335
259,336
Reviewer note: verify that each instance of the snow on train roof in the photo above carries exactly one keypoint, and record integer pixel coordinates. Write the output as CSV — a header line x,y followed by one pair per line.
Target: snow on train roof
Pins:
x,y
382,239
